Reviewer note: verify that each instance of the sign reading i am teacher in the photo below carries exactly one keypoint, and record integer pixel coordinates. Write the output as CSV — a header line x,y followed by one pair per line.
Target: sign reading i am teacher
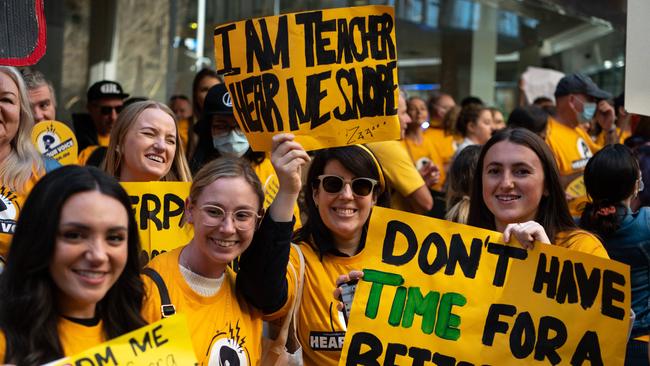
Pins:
x,y
327,76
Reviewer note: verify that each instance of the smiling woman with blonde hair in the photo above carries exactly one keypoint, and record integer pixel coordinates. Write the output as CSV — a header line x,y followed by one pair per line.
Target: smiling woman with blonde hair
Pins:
x,y
20,164
145,145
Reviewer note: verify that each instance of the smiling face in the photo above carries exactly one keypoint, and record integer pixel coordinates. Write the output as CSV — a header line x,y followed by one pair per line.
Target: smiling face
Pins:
x,y
214,246
149,147
513,183
9,110
343,213
90,251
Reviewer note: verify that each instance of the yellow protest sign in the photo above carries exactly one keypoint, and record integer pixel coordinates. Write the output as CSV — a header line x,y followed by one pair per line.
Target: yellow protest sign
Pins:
x,y
440,293
55,140
328,76
577,187
166,342
158,209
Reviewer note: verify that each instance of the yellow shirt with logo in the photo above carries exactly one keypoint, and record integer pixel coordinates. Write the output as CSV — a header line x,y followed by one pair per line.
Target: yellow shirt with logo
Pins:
x,y
445,144
224,327
426,153
321,327
399,171
11,202
74,337
572,148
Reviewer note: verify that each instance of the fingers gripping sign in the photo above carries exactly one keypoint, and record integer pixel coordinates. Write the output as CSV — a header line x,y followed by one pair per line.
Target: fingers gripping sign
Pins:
x,y
526,233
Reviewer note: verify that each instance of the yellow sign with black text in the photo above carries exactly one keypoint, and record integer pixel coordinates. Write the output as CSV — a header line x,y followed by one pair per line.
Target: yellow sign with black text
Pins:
x,y
158,208
327,76
55,140
441,293
166,342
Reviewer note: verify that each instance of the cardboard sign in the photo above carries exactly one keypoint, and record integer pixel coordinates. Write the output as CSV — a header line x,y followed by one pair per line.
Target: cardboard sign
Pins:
x,y
637,78
158,208
440,293
166,342
327,76
55,140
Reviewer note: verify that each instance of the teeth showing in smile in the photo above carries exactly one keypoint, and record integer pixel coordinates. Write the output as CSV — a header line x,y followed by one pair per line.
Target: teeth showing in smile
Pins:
x,y
224,243
155,158
345,211
89,274
508,197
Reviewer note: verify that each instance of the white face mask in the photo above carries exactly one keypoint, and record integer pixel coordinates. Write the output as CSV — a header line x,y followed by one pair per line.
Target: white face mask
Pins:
x,y
233,144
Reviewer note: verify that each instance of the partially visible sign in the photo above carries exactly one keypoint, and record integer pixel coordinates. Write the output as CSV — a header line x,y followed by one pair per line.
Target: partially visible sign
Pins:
x,y
637,77
22,32
55,140
166,342
159,209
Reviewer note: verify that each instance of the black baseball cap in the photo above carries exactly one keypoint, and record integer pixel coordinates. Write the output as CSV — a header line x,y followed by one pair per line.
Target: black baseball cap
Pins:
x,y
580,84
217,101
105,89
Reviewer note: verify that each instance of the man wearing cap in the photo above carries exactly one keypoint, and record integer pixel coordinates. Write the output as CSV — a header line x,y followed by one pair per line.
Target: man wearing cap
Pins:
x,y
578,100
105,100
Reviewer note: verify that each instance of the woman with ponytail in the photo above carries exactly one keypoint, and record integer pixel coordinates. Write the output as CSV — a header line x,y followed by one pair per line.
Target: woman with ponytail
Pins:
x,y
613,179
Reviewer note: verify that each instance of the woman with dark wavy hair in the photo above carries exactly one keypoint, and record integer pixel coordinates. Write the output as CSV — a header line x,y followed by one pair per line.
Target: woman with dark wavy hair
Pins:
x,y
72,278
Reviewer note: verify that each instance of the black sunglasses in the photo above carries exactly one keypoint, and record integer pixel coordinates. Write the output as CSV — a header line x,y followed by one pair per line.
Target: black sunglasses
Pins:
x,y
106,110
335,184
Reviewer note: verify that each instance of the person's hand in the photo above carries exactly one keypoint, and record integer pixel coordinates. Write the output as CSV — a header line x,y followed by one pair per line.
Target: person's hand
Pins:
x,y
288,157
526,233
430,173
605,115
353,275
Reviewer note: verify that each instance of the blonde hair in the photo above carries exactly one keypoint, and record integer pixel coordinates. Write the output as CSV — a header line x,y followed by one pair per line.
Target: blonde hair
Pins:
x,y
179,171
23,159
226,167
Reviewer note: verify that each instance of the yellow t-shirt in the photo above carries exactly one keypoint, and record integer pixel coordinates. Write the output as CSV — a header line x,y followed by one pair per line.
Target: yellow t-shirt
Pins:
x,y
270,184
445,144
425,153
183,130
74,337
600,139
321,327
572,148
103,140
11,202
581,241
399,171
85,154
222,325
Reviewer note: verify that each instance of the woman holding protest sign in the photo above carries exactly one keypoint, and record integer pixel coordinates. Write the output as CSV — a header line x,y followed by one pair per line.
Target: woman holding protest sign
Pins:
x,y
145,145
517,191
20,164
225,209
343,185
613,180
75,281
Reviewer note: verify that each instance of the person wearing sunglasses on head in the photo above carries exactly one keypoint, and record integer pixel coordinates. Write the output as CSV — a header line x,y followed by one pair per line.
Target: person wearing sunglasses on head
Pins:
x,y
105,100
343,185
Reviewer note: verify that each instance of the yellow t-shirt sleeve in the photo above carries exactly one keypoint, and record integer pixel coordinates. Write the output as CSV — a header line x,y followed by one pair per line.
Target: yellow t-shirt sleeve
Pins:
x,y
151,306
398,166
3,347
